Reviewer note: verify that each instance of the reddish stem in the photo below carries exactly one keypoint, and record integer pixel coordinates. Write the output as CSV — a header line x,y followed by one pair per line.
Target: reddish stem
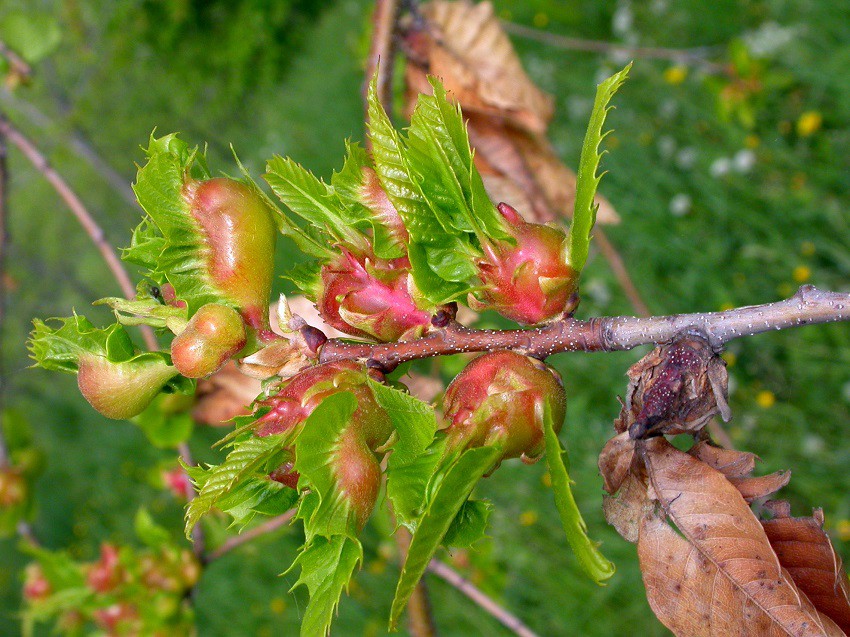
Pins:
x,y
808,306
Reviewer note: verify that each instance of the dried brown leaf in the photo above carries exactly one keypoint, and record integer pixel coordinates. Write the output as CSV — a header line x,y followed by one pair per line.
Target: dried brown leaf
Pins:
x,y
627,509
470,51
615,461
729,462
717,575
805,551
761,486
225,395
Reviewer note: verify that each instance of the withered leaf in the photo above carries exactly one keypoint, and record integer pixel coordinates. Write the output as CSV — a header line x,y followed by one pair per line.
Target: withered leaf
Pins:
x,y
717,575
805,551
225,395
626,509
729,462
615,461
467,48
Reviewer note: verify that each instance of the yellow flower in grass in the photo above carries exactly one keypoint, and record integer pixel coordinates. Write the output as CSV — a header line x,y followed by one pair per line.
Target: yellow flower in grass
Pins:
x,y
765,399
675,74
809,123
802,273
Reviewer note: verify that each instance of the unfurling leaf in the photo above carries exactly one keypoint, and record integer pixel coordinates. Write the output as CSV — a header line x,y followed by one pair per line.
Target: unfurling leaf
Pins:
x,y
327,565
587,181
251,457
452,487
465,45
116,379
412,461
589,558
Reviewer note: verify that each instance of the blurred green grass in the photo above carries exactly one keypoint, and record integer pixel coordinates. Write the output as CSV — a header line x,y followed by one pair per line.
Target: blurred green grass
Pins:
x,y
717,211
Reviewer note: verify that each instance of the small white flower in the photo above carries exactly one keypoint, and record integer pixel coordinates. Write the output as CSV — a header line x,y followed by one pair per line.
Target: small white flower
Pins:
x,y
720,166
686,158
744,160
680,205
666,146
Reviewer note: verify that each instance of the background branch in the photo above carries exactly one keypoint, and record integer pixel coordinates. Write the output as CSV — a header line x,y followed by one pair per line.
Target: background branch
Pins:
x,y
94,231
696,55
509,621
243,538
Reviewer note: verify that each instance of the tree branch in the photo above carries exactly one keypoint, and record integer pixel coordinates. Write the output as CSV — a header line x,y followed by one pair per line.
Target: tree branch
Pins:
x,y
79,210
381,53
238,540
695,55
16,62
452,577
808,306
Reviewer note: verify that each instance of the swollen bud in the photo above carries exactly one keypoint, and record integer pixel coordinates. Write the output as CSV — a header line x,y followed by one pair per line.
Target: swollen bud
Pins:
x,y
355,461
499,399
370,298
212,336
122,390
240,232
36,585
530,281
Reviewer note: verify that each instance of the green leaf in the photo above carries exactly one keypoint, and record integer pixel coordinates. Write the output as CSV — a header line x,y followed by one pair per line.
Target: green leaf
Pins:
x,y
591,560
469,524
311,199
306,277
59,348
249,457
413,459
439,152
169,242
32,35
149,532
165,430
435,288
587,181
394,173
146,310
327,565
257,496
450,493
325,510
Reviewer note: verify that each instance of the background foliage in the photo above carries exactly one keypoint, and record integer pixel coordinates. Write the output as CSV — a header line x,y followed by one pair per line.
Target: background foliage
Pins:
x,y
731,182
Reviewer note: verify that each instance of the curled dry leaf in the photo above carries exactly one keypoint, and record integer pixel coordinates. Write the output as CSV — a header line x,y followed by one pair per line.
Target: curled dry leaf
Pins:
x,y
674,389
806,553
225,395
615,461
508,115
625,481
737,467
717,575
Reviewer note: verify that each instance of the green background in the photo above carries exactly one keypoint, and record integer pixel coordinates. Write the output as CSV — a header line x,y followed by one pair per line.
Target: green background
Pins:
x,y
284,77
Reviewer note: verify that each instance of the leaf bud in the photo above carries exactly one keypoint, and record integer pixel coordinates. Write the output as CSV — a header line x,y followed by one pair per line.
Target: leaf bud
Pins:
x,y
499,398
36,585
528,281
122,390
370,298
213,335
107,573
